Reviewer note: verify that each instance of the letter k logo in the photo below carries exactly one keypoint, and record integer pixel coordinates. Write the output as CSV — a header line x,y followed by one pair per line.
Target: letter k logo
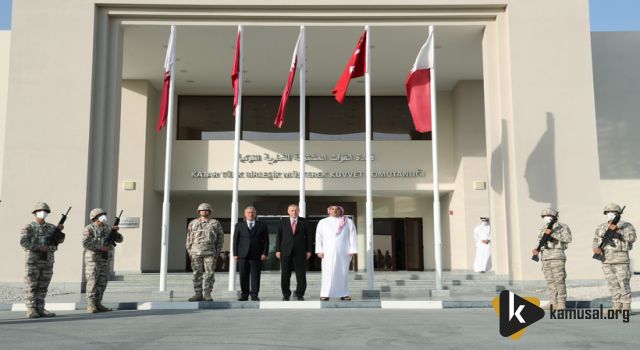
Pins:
x,y
516,313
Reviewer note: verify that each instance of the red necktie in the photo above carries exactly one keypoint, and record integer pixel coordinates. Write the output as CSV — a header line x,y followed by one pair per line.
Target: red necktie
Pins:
x,y
293,227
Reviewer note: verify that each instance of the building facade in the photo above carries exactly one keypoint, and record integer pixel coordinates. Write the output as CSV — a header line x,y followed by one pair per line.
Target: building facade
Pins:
x,y
517,124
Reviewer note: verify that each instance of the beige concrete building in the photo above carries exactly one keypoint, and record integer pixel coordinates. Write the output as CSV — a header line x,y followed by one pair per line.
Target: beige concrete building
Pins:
x,y
516,113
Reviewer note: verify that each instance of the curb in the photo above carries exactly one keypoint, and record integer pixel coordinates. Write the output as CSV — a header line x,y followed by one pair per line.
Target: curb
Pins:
x,y
304,305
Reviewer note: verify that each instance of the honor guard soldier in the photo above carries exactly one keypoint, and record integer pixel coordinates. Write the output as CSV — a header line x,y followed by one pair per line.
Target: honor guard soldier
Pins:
x,y
554,238
99,240
611,245
204,243
40,240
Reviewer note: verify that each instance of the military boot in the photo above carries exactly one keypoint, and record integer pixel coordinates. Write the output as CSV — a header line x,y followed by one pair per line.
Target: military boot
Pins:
x,y
33,313
207,297
626,306
102,308
91,307
617,306
44,313
196,297
552,304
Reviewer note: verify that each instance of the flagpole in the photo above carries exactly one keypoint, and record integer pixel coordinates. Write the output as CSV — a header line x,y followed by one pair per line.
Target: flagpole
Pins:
x,y
437,230
302,66
166,203
369,202
236,167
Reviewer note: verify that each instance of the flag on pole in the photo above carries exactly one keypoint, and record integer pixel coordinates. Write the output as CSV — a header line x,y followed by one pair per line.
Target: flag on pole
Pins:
x,y
169,60
418,87
282,109
355,68
235,74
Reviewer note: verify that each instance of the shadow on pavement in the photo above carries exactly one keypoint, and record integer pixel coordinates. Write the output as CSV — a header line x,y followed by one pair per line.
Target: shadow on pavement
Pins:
x,y
85,317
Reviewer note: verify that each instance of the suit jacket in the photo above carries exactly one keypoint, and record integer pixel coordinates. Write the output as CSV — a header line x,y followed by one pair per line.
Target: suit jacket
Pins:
x,y
287,242
251,244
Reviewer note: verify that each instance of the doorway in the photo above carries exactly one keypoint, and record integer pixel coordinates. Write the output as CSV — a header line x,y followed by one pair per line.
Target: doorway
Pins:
x,y
398,244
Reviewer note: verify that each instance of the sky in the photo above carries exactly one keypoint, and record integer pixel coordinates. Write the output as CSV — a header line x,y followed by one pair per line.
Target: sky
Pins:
x,y
606,15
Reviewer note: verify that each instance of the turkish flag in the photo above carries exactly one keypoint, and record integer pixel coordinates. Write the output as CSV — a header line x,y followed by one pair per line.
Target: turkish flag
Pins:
x,y
282,109
355,68
418,86
235,74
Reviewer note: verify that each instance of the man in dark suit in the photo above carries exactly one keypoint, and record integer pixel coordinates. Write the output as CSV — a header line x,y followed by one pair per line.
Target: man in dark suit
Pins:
x,y
293,248
251,248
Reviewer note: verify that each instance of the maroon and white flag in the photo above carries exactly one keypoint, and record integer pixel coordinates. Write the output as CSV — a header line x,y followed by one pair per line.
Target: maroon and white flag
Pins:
x,y
355,68
282,109
418,87
169,60
235,73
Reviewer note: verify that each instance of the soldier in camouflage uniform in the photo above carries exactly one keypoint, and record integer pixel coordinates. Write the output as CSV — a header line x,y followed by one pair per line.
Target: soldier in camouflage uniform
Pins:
x,y
98,253
553,258
204,243
36,239
616,258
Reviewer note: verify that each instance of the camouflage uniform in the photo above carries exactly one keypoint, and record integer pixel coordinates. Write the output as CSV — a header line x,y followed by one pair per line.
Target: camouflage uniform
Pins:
x,y
553,262
204,243
97,263
616,262
38,265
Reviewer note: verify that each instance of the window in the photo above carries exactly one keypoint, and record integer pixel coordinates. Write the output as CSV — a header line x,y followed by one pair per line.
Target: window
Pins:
x,y
330,120
259,113
205,118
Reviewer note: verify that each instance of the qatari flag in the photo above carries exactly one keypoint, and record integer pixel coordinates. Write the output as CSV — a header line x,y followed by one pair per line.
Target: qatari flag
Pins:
x,y
282,109
418,87
355,68
168,62
235,74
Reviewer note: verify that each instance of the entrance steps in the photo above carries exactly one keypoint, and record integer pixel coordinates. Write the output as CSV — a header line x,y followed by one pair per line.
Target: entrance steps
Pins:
x,y
392,284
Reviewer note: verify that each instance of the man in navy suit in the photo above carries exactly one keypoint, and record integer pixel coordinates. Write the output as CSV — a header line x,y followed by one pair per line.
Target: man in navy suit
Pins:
x,y
293,248
251,248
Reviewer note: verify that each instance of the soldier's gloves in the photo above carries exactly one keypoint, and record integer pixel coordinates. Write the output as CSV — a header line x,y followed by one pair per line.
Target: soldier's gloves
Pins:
x,y
617,235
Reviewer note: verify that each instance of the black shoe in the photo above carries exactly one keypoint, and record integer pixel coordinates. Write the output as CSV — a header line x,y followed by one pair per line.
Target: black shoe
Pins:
x,y
243,298
300,298
255,298
285,298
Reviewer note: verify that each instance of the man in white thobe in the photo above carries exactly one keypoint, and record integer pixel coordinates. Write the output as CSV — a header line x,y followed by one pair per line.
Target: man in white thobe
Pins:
x,y
482,236
336,243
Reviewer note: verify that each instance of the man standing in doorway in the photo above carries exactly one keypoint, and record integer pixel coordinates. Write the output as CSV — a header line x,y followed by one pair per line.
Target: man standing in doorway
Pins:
x,y
336,244
482,236
204,243
293,248
251,248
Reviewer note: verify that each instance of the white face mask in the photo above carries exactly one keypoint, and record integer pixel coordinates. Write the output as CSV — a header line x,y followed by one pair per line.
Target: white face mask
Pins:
x,y
41,214
102,218
611,216
547,219
484,223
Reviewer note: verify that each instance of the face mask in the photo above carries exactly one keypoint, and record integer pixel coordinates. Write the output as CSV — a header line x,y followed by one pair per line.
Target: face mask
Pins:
x,y
102,218
611,216
547,219
484,223
41,214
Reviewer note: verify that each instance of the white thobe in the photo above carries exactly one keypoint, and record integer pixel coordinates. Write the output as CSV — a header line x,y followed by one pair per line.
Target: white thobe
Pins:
x,y
336,248
483,250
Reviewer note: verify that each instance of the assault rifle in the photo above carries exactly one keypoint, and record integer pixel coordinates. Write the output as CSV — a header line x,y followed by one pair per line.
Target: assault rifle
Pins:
x,y
113,235
545,238
607,238
57,236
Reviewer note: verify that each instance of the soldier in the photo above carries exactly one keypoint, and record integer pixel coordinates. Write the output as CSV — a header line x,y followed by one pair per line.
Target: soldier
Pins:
x,y
553,258
38,240
616,258
98,240
204,243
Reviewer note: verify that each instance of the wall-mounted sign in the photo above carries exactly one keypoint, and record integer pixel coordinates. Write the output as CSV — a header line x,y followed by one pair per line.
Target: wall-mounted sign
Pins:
x,y
129,222
274,175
